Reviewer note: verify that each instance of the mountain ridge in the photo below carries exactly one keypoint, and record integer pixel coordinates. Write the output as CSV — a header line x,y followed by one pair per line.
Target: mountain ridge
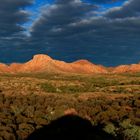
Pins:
x,y
44,63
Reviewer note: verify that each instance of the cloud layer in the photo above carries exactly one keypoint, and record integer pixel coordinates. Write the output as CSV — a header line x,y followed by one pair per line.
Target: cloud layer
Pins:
x,y
74,29
130,8
11,15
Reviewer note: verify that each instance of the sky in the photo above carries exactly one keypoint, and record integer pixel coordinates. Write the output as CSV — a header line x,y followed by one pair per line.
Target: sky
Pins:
x,y
104,32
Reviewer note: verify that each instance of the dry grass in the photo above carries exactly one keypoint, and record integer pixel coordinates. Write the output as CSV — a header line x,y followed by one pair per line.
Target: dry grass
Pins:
x,y
37,83
28,102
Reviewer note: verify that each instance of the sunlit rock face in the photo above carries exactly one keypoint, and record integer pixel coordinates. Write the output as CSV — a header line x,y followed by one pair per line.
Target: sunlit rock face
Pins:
x,y
3,68
44,63
127,68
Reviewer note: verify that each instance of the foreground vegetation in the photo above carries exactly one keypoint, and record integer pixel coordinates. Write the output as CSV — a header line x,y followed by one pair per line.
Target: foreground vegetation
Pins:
x,y
28,102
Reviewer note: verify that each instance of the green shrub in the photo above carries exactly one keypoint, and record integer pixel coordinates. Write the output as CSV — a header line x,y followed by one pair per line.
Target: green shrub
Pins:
x,y
110,128
71,89
48,87
133,133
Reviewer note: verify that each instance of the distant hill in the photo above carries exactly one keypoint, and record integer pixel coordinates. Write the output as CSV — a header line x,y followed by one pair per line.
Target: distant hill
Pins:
x,y
44,63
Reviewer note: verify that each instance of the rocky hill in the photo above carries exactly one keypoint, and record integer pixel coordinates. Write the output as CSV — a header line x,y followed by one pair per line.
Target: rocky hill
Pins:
x,y
44,63
127,68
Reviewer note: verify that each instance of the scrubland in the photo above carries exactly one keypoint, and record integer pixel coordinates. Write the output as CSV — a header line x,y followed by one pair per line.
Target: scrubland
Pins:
x,y
30,101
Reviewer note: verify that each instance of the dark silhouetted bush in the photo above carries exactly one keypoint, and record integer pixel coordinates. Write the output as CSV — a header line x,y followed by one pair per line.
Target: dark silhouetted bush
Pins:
x,y
68,128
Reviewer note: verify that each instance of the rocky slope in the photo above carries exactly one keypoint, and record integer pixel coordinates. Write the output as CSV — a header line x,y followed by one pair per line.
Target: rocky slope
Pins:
x,y
127,68
44,63
3,68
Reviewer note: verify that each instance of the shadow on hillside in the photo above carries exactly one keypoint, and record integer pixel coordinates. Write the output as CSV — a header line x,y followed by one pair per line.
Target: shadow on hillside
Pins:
x,y
70,127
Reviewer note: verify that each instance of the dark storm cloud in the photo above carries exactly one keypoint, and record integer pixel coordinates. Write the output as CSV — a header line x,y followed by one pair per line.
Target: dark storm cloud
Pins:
x,y
67,18
57,17
11,15
131,8
61,20
67,31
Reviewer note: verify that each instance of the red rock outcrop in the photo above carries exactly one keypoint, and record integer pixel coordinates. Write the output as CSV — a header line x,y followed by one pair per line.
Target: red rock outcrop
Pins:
x,y
44,63
127,68
84,66
120,69
14,67
3,68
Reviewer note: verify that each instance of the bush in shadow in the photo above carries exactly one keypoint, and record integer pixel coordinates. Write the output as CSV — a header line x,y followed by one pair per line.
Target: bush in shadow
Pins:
x,y
70,127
